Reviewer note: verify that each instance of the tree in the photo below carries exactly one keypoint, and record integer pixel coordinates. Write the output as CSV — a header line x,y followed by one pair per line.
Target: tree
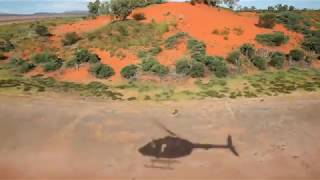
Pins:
x,y
121,9
231,3
94,8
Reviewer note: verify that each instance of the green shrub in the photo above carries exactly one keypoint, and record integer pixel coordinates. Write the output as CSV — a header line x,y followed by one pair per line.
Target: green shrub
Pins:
x,y
311,42
277,60
259,62
139,16
160,69
234,58
152,65
183,66
42,30
21,65
85,56
197,69
52,65
101,71
44,57
155,51
267,20
172,41
274,39
148,63
292,20
248,50
217,65
6,45
296,55
70,38
197,50
129,71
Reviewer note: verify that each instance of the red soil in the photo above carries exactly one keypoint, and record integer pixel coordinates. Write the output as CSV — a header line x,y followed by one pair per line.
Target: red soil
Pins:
x,y
169,57
78,27
81,74
116,63
200,20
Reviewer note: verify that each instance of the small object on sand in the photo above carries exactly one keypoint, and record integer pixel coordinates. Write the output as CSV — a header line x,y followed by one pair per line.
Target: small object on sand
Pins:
x,y
175,112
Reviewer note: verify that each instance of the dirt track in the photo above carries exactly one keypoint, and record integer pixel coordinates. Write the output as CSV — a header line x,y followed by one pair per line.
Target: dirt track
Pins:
x,y
276,138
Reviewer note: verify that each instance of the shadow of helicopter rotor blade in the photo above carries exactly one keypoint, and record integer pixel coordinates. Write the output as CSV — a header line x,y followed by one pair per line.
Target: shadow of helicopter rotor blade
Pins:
x,y
163,127
231,146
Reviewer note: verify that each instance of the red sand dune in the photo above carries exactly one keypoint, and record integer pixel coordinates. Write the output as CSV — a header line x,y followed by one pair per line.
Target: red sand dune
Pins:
x,y
200,20
81,74
170,56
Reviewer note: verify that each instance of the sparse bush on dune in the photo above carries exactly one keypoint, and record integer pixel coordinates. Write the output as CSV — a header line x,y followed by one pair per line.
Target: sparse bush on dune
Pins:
x,y
277,60
217,65
296,55
311,42
248,50
274,39
183,66
197,69
152,65
197,50
42,30
234,58
259,62
70,38
172,41
267,20
49,61
85,56
21,65
101,71
129,71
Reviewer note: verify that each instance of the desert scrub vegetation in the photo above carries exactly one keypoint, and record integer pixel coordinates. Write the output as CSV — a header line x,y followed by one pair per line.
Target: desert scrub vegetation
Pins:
x,y
83,56
21,65
217,65
42,30
260,62
277,59
267,20
296,55
101,71
70,39
125,35
6,45
248,50
151,65
274,39
138,16
130,71
197,50
188,67
175,39
49,61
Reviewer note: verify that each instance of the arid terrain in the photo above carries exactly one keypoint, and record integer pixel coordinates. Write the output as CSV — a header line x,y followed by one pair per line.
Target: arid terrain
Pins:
x,y
277,138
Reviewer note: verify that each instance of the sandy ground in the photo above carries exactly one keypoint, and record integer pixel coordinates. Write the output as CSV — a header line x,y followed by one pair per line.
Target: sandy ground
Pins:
x,y
277,138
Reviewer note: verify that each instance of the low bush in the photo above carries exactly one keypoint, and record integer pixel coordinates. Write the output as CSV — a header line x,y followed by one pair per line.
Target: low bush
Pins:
x,y
70,38
101,71
277,60
52,65
274,39
172,41
248,50
296,55
311,42
197,69
42,30
152,65
267,20
183,66
85,56
259,62
21,65
197,50
129,71
234,58
139,16
217,65
49,61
